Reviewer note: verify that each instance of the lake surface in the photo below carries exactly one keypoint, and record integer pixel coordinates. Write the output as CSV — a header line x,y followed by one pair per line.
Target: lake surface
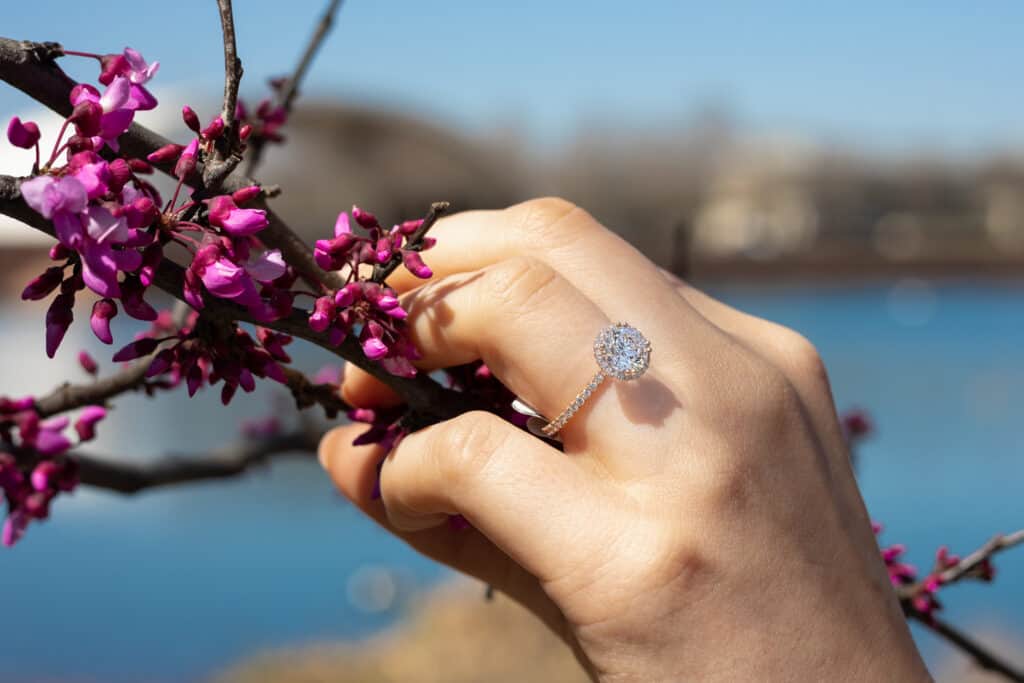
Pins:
x,y
175,585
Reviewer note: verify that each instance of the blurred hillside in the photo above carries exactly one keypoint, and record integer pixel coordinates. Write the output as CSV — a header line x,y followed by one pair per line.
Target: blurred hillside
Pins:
x,y
702,195
452,635
701,198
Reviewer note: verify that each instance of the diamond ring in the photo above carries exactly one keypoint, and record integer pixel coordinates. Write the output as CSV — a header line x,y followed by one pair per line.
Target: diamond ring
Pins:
x,y
621,352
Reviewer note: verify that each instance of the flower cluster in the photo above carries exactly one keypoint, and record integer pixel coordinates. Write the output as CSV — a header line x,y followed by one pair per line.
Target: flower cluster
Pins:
x,y
924,598
365,307
202,353
34,467
263,124
104,215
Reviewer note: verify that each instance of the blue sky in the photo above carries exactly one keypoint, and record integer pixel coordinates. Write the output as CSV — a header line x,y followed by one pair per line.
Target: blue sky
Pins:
x,y
883,75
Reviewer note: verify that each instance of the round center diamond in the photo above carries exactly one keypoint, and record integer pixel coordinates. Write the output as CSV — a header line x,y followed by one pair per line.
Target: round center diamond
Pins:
x,y
622,352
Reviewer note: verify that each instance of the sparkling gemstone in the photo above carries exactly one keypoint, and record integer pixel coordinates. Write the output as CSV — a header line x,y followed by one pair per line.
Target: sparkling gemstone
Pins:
x,y
622,352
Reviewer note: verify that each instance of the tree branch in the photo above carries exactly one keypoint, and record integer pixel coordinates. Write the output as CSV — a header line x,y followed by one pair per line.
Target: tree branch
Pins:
x,y
981,656
232,64
427,398
415,241
290,88
30,67
129,478
967,565
227,148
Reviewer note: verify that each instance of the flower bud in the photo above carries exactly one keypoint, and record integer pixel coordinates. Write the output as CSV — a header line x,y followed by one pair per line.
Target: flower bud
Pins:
x,y
187,161
409,227
246,194
87,117
120,174
42,285
24,135
58,319
140,166
415,265
85,425
323,313
214,130
102,312
191,118
364,218
244,132
87,362
137,349
165,154
112,66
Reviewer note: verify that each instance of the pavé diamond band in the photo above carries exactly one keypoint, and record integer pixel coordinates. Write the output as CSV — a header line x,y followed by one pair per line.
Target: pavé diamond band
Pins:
x,y
622,353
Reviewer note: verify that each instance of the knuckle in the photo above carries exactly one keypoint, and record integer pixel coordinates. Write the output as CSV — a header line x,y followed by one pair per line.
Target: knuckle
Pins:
x,y
803,359
767,398
521,281
462,447
552,220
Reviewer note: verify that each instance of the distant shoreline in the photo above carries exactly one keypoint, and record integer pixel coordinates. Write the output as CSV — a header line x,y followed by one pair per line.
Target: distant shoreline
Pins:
x,y
19,264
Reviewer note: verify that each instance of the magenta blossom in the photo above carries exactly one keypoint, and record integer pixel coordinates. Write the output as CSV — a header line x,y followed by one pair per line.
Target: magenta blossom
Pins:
x,y
54,197
225,214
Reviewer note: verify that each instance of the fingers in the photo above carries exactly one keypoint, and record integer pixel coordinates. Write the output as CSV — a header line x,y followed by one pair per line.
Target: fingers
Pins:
x,y
531,326
354,471
526,497
599,263
620,281
521,495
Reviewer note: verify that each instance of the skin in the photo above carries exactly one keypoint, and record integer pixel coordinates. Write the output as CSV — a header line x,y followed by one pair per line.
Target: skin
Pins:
x,y
703,522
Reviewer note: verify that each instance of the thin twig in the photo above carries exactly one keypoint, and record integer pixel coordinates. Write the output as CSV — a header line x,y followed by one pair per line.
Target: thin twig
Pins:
x,y
415,241
289,90
981,655
232,64
968,564
227,148
70,396
129,477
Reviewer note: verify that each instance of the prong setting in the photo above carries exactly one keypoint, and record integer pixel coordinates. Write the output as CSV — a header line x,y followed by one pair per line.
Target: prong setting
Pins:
x,y
622,352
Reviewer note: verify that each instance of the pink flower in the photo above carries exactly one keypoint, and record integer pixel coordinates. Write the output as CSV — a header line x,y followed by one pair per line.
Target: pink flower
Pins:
x,y
225,214
50,197
24,135
227,280
139,72
266,267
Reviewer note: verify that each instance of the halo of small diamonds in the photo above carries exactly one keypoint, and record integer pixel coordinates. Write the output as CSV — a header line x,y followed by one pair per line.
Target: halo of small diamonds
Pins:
x,y
622,352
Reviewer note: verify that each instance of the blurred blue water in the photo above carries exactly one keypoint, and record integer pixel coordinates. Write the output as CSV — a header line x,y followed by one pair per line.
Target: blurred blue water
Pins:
x,y
174,585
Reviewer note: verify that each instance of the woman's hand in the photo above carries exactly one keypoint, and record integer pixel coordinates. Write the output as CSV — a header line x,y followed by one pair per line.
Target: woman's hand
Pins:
x,y
703,522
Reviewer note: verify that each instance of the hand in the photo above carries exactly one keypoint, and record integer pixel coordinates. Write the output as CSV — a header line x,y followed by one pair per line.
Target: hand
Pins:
x,y
703,522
